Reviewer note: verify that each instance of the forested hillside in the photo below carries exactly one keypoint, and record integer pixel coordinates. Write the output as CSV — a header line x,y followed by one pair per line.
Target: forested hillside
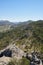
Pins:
x,y
28,36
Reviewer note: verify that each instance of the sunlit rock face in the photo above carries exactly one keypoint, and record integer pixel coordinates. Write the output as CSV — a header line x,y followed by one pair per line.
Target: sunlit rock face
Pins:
x,y
12,51
4,60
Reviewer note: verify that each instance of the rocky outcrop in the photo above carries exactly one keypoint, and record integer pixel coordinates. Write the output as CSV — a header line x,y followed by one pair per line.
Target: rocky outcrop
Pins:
x,y
7,53
4,60
10,52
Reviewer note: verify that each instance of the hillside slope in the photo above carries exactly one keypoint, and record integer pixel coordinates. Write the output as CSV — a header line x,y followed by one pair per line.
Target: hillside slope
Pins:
x,y
29,36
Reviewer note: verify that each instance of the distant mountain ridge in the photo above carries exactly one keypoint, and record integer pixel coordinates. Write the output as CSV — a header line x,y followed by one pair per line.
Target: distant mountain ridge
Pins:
x,y
15,24
5,22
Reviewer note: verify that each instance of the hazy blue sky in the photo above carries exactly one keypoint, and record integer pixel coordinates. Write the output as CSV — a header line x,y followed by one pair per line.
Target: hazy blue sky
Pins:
x,y
21,10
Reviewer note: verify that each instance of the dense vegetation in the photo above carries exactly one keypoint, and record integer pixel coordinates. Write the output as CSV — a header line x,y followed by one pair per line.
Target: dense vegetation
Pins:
x,y
29,36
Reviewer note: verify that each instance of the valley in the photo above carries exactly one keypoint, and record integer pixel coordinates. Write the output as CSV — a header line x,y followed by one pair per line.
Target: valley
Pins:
x,y
18,42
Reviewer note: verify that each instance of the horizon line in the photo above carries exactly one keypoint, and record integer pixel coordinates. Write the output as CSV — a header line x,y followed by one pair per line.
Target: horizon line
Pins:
x,y
19,21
